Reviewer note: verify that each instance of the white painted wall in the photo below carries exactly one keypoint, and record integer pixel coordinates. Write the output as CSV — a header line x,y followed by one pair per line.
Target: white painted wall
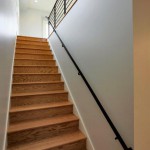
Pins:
x,y
8,31
31,22
99,36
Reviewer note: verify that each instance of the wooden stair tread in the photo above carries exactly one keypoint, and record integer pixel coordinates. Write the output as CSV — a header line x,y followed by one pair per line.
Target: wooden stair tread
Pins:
x,y
42,122
39,93
51,82
32,66
27,48
36,73
50,143
28,37
34,59
19,41
32,43
39,106
33,53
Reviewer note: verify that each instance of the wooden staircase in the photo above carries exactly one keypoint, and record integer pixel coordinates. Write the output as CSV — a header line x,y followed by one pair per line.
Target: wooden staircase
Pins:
x,y
40,117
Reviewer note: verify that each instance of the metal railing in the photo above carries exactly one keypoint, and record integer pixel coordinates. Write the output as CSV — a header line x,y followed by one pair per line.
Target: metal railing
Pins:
x,y
53,22
60,9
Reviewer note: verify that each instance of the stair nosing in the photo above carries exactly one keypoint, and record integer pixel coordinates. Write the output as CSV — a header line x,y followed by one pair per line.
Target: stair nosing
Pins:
x,y
36,74
32,65
44,42
57,105
35,43
41,93
34,53
28,83
26,48
37,125
34,59
21,36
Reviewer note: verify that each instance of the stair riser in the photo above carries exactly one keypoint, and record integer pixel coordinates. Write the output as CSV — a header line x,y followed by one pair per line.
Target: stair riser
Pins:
x,y
32,43
35,69
33,51
28,56
40,114
78,145
41,133
33,46
38,99
26,88
31,39
35,62
36,78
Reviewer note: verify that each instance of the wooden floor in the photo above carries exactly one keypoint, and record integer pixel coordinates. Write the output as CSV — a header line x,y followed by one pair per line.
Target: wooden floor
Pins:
x,y
40,116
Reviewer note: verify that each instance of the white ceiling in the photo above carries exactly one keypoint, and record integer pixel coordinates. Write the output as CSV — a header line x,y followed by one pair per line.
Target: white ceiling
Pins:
x,y
44,5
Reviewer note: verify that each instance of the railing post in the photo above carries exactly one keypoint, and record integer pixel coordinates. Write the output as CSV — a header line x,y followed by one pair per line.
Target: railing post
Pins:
x,y
55,16
64,6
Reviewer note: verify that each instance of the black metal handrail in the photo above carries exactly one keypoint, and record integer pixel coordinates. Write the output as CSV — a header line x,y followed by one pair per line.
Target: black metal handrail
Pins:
x,y
118,136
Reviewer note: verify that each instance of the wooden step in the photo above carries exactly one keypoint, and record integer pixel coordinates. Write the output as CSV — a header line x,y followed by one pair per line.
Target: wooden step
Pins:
x,y
36,69
38,98
72,141
40,115
35,62
40,111
33,77
33,56
37,86
40,47
32,42
33,51
26,38
30,131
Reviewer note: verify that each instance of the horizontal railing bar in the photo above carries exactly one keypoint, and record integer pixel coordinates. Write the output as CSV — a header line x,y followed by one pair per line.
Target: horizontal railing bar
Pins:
x,y
60,15
69,3
60,10
60,3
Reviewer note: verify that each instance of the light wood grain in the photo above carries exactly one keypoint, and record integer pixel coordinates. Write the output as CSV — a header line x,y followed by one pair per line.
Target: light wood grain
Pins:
x,y
40,116
33,112
44,128
33,51
33,56
26,38
25,46
35,69
32,42
37,86
38,98
37,77
25,62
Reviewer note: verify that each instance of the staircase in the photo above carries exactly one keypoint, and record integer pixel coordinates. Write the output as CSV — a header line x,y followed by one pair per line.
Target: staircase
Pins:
x,y
40,117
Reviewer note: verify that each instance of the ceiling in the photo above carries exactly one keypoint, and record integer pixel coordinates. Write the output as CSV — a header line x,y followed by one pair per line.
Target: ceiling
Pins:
x,y
43,5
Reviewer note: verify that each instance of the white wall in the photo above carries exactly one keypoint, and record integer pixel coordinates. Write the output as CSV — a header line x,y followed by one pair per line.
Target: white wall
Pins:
x,y
31,22
8,31
99,36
